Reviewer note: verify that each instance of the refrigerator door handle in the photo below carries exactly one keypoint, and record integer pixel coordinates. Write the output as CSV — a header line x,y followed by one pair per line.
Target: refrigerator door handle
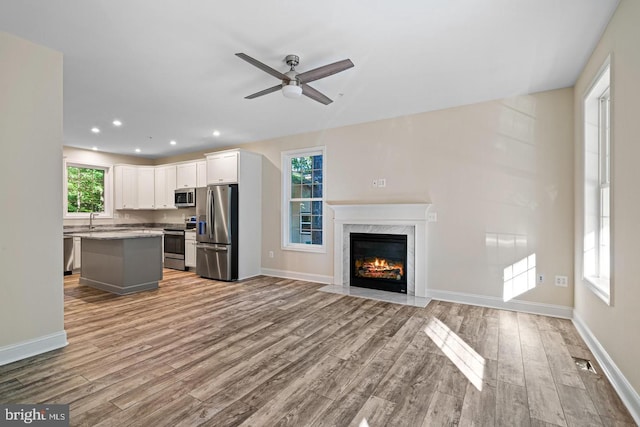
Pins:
x,y
209,214
213,248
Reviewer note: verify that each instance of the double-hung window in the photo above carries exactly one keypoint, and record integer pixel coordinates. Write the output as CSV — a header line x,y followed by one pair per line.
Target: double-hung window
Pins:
x,y
597,181
87,189
303,173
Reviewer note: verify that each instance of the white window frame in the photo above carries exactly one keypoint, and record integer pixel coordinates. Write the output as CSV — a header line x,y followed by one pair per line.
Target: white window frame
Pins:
x,y
597,109
286,199
108,190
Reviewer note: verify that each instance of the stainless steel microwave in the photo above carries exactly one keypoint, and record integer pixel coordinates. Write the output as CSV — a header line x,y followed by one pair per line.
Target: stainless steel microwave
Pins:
x,y
185,197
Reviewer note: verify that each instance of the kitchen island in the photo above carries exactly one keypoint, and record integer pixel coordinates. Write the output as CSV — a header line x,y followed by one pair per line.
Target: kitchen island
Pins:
x,y
121,262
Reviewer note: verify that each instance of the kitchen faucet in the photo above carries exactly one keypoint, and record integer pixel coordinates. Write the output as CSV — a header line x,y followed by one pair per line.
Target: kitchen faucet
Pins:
x,y
91,216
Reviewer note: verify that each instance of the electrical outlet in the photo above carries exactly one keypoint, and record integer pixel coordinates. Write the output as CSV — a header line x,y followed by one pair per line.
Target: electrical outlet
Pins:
x,y
540,279
562,281
374,183
382,182
270,254
432,217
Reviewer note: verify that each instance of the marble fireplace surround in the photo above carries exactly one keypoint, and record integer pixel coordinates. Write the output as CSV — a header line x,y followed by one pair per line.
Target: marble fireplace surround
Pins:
x,y
409,219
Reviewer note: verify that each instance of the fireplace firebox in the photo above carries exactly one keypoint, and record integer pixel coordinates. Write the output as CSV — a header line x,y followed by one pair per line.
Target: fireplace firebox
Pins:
x,y
379,261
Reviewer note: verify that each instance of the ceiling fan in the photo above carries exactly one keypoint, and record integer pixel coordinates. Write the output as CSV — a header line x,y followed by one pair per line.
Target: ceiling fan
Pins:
x,y
295,84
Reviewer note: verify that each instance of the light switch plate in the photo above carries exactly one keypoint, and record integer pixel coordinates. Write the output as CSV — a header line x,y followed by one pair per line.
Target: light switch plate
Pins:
x,y
562,281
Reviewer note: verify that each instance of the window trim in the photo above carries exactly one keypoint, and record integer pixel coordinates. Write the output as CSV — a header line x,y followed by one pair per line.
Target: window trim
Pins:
x,y
602,287
286,197
108,189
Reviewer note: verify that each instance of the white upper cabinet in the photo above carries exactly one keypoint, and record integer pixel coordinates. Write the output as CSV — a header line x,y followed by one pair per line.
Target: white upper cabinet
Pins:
x,y
126,191
165,185
222,168
146,188
201,173
153,187
186,175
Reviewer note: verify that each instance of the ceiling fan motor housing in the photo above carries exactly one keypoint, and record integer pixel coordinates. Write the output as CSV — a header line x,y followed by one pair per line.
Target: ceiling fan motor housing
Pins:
x,y
292,60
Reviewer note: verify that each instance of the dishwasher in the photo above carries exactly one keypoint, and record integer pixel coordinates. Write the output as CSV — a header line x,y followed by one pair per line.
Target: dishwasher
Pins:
x,y
68,255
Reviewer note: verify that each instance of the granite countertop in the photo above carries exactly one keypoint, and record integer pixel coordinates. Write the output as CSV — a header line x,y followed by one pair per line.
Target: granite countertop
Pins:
x,y
117,235
78,230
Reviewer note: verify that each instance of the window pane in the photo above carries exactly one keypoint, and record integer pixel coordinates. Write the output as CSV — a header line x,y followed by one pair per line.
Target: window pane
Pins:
x,y
317,208
296,191
85,189
317,191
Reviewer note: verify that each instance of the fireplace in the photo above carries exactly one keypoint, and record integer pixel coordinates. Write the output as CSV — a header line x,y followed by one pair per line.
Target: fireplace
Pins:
x,y
378,261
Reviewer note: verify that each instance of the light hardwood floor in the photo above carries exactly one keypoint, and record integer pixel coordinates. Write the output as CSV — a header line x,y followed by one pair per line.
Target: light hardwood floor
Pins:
x,y
269,352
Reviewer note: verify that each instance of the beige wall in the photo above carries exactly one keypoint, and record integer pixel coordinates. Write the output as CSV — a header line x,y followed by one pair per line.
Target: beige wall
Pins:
x,y
615,326
497,170
31,301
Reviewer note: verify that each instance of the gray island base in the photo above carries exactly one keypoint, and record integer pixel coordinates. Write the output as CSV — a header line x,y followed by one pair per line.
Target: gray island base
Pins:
x,y
121,262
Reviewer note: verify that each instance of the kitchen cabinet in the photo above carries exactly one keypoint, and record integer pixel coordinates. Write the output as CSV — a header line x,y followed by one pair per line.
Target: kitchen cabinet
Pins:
x,y
201,173
126,188
165,185
190,249
146,188
77,253
222,167
186,175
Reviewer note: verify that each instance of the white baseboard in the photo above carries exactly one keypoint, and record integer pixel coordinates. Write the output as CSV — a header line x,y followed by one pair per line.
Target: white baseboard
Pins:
x,y
626,392
318,278
493,302
33,347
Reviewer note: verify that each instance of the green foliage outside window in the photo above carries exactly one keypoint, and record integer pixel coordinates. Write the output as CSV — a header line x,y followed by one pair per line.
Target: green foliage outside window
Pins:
x,y
85,189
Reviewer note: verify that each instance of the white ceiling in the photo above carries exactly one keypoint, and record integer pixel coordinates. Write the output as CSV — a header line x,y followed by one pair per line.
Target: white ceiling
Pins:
x,y
167,68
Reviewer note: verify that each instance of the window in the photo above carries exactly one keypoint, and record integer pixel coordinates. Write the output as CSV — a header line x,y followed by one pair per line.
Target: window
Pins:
x,y
87,189
597,179
303,200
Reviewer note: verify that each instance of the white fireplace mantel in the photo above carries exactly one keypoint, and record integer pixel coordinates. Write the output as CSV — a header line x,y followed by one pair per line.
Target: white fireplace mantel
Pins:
x,y
412,215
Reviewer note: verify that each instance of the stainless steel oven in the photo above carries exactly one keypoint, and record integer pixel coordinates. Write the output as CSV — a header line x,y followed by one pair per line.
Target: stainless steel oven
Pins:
x,y
174,247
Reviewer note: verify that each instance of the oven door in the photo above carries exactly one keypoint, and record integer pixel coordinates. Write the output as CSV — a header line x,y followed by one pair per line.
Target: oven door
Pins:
x,y
174,247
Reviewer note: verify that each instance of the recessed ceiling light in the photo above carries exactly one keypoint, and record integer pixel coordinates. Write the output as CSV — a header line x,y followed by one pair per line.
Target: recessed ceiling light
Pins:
x,y
172,142
95,130
117,122
216,133
137,150
94,148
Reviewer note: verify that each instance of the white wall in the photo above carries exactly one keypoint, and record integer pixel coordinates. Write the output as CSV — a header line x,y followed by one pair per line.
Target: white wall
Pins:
x,y
616,327
31,301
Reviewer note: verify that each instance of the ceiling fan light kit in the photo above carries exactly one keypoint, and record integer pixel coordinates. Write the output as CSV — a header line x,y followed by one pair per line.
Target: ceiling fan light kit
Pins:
x,y
295,84
291,91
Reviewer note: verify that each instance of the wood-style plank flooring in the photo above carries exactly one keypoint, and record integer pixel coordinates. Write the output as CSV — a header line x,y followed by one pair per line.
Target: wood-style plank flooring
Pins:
x,y
268,351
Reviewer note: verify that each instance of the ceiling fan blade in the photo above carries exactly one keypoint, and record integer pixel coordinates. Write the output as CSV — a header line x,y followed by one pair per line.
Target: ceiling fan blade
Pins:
x,y
264,92
324,71
263,67
315,95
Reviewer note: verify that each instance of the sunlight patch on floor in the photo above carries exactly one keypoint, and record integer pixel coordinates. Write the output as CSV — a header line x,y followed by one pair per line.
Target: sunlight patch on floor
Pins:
x,y
466,359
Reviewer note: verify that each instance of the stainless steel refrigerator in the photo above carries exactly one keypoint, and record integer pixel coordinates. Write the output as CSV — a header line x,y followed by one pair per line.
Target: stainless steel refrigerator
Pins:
x,y
217,232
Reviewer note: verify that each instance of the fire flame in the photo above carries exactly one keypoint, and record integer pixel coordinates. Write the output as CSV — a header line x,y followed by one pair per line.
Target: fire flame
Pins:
x,y
379,267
